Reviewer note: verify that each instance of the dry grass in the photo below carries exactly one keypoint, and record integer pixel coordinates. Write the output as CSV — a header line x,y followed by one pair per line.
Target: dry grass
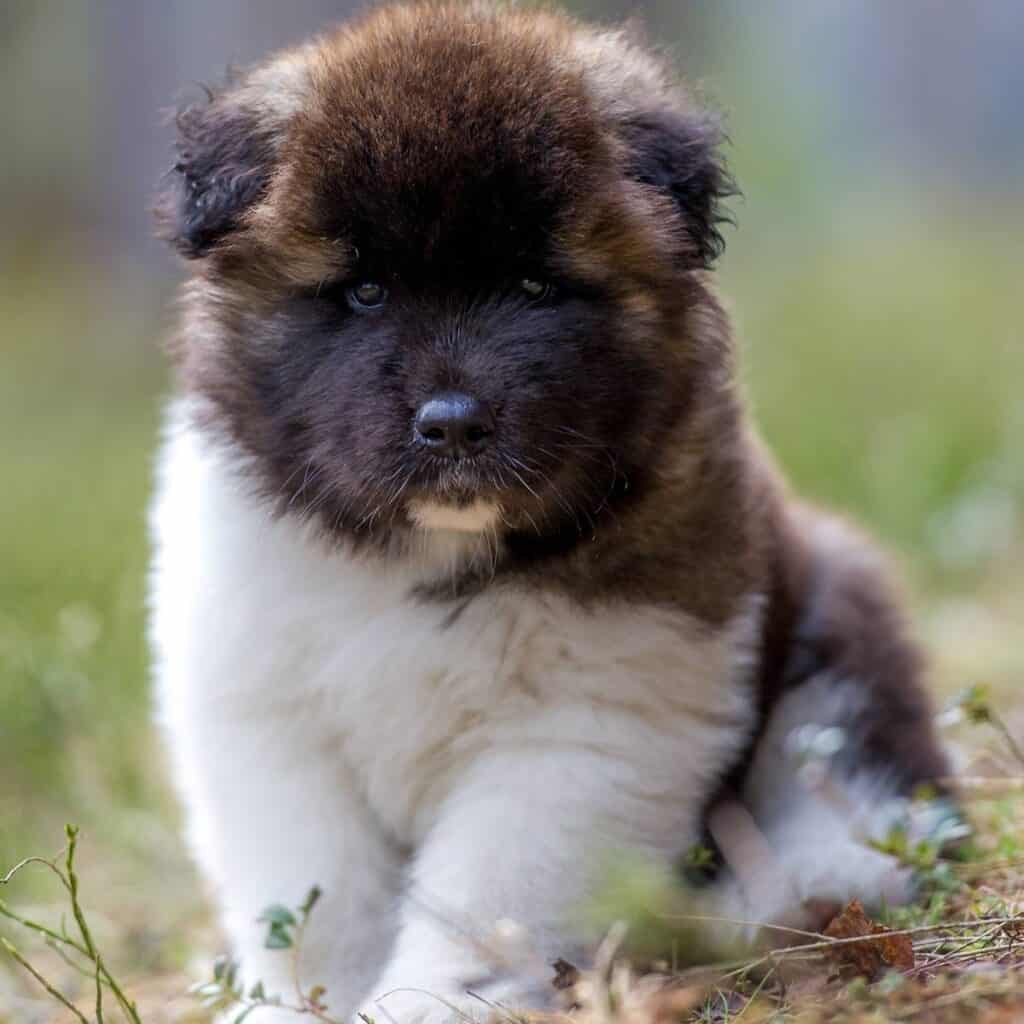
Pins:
x,y
955,955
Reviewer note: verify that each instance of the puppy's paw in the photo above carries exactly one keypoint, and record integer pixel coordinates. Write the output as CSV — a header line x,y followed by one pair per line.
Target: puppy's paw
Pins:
x,y
445,1003
421,1006
261,1015
804,893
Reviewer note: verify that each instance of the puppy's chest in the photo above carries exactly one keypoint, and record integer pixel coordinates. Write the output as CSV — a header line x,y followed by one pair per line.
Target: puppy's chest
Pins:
x,y
406,693
414,694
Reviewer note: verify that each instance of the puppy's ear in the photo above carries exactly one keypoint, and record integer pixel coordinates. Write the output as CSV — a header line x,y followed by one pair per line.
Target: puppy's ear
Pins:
x,y
226,149
680,153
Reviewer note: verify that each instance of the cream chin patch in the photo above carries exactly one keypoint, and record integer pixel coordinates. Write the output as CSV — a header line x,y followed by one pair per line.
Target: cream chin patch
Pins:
x,y
475,518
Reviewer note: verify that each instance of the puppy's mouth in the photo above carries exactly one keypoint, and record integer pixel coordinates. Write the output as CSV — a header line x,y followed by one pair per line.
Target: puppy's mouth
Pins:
x,y
498,492
463,495
478,516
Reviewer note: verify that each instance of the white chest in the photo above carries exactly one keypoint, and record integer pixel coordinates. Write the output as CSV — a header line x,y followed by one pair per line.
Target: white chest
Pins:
x,y
256,620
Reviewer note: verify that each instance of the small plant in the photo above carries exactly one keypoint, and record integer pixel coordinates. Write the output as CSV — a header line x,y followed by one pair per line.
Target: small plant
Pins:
x,y
974,705
225,993
78,952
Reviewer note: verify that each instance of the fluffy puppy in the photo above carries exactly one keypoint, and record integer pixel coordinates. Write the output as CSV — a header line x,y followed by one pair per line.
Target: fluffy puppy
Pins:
x,y
469,569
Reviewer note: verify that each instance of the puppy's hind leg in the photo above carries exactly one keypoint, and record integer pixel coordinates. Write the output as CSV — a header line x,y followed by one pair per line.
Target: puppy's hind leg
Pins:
x,y
822,811
847,752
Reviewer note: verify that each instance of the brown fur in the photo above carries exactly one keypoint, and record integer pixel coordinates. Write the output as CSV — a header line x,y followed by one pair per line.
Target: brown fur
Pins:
x,y
459,138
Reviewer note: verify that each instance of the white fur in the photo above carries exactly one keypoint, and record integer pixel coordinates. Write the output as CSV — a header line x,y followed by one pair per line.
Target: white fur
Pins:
x,y
434,773
476,518
817,819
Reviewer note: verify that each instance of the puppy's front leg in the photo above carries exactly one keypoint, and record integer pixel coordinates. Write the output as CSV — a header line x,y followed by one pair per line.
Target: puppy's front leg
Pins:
x,y
273,812
518,841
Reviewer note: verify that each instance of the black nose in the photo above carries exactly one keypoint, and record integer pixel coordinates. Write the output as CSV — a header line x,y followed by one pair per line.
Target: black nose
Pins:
x,y
455,425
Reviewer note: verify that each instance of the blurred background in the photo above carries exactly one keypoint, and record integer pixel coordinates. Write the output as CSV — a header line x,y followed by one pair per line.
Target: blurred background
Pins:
x,y
876,277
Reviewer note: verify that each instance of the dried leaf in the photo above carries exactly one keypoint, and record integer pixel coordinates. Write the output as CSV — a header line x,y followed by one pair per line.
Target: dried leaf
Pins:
x,y
869,958
566,975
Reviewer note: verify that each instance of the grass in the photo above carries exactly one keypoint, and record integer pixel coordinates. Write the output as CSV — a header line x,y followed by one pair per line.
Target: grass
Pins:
x,y
885,367
953,956
78,416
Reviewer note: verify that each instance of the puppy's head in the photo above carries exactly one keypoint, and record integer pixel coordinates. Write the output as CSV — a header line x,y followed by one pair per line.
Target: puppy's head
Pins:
x,y
449,270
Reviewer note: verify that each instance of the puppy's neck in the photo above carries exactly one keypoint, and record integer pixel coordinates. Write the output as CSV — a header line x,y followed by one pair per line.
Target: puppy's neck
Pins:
x,y
450,562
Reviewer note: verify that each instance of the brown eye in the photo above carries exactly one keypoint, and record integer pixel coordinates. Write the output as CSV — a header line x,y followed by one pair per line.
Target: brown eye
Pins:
x,y
535,290
367,295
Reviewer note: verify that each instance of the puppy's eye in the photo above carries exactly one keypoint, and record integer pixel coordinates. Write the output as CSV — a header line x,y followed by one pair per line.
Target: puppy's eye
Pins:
x,y
534,290
367,295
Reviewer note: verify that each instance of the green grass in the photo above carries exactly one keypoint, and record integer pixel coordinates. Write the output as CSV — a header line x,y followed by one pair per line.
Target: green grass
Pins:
x,y
78,417
886,374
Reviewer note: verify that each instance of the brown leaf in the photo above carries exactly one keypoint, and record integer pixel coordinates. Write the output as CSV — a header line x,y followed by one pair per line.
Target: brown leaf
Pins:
x,y
566,975
869,958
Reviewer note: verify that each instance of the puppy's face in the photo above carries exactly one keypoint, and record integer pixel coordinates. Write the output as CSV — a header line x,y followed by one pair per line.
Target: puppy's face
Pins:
x,y
449,270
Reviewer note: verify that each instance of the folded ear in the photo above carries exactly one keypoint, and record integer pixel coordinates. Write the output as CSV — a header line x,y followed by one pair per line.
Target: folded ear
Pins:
x,y
223,166
680,153
226,149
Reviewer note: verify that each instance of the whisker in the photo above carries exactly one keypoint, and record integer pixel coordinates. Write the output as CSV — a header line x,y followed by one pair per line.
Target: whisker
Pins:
x,y
519,476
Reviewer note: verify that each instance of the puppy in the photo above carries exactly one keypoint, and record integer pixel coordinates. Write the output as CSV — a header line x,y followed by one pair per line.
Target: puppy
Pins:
x,y
469,569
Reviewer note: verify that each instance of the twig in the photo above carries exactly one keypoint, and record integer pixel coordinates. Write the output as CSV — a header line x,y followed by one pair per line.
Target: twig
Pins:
x,y
461,1014
35,926
35,860
59,996
99,994
745,924
952,999
50,944
943,958
1003,729
86,947
308,1002
76,909
810,949
503,1011
999,949
127,1005
757,991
